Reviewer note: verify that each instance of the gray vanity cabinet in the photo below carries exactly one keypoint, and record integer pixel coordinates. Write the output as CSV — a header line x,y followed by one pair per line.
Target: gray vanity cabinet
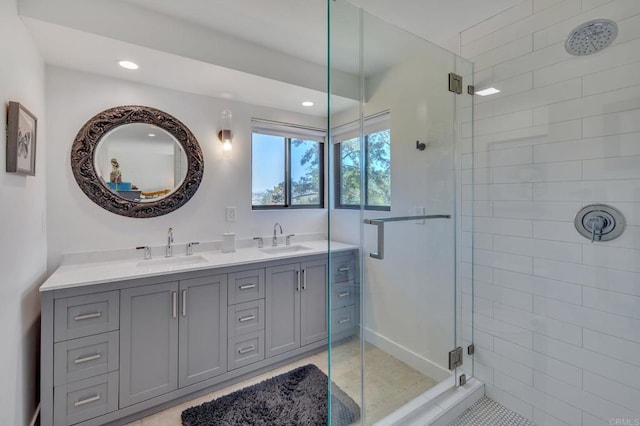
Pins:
x,y
296,306
173,335
282,309
313,302
344,295
148,342
114,350
203,329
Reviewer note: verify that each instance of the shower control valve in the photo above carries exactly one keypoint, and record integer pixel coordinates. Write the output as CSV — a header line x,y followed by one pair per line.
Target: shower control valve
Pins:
x,y
599,222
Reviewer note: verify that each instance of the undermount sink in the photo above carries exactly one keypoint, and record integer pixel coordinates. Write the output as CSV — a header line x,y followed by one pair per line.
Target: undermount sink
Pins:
x,y
170,262
284,249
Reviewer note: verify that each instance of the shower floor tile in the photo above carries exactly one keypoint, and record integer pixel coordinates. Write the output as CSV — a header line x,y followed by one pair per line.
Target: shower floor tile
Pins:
x,y
487,412
389,383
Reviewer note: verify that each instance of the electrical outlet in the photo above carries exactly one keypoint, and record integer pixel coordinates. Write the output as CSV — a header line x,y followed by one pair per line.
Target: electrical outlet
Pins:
x,y
230,213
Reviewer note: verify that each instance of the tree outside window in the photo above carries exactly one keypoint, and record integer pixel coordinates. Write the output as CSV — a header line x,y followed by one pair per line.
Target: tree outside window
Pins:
x,y
377,169
287,172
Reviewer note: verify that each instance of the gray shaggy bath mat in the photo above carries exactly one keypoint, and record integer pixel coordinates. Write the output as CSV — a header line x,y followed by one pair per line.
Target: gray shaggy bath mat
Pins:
x,y
298,397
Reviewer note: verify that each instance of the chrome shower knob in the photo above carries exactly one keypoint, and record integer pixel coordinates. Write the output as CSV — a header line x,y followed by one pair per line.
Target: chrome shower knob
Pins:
x,y
599,222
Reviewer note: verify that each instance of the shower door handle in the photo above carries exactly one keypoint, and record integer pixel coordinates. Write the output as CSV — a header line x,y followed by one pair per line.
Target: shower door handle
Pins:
x,y
379,253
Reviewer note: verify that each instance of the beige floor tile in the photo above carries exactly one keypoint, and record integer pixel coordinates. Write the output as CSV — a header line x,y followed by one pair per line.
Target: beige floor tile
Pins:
x,y
389,383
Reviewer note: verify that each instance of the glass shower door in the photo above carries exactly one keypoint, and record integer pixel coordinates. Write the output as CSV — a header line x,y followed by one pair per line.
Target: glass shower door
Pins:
x,y
396,145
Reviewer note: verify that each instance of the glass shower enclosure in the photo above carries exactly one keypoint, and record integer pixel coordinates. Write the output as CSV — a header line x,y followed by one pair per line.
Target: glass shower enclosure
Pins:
x,y
398,136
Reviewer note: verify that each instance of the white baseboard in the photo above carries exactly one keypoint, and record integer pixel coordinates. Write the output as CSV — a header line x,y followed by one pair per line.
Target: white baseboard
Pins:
x,y
412,359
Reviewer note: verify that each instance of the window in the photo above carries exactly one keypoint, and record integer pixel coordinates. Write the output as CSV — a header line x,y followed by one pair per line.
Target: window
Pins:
x,y
287,166
377,164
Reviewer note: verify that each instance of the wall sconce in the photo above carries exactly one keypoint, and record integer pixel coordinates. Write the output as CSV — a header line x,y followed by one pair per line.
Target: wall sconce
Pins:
x,y
225,135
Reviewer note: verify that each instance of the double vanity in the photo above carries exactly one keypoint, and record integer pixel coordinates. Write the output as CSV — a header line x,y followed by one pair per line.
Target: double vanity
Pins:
x,y
125,334
123,338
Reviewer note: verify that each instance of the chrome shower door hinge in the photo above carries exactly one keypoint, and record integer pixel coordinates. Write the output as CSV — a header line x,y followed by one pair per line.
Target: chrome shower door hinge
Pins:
x,y
455,358
455,83
463,379
471,349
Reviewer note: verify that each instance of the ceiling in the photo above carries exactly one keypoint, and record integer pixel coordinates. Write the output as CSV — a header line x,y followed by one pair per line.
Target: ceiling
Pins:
x,y
271,53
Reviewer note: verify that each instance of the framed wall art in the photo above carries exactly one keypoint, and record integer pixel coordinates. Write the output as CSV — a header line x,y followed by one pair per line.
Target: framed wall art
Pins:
x,y
21,140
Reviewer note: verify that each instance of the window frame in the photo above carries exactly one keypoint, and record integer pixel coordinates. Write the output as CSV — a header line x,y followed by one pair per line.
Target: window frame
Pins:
x,y
385,118
274,129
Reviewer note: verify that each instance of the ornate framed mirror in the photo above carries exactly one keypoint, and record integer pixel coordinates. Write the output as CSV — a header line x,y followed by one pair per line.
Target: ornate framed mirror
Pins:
x,y
137,161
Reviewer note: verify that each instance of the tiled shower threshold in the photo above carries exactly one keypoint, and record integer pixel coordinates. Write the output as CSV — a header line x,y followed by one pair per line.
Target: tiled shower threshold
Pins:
x,y
438,406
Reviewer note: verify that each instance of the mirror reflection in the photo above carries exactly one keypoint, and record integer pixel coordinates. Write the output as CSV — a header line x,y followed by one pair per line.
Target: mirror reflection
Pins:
x,y
140,162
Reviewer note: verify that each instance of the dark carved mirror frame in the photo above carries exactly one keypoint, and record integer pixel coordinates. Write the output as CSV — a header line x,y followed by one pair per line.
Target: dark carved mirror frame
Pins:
x,y
84,169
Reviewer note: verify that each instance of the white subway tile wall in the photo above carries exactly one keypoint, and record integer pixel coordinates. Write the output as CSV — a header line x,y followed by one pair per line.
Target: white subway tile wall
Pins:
x,y
557,318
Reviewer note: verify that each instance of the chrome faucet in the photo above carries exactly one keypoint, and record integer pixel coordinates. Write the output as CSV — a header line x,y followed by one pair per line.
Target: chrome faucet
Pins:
x,y
274,241
169,249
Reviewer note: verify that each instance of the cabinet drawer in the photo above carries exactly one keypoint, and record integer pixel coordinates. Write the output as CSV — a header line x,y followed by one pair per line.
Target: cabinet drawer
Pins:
x,y
86,399
343,269
246,286
342,295
85,315
342,319
85,357
246,318
245,350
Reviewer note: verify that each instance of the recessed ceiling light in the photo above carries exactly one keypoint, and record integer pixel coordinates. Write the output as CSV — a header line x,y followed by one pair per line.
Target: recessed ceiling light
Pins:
x,y
128,65
307,104
151,135
487,92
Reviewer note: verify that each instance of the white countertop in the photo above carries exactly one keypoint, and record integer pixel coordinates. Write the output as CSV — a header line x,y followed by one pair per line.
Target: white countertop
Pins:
x,y
82,274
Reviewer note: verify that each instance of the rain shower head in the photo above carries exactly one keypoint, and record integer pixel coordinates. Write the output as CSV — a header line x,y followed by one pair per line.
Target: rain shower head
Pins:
x,y
591,37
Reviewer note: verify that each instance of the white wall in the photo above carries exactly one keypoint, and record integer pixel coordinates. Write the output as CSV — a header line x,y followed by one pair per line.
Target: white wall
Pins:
x,y
409,295
76,224
23,244
150,165
557,323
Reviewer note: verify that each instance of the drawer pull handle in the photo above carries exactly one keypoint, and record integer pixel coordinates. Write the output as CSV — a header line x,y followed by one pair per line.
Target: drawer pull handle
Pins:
x,y
247,286
87,358
184,303
246,350
88,316
304,279
343,269
174,304
345,294
80,402
343,321
247,318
